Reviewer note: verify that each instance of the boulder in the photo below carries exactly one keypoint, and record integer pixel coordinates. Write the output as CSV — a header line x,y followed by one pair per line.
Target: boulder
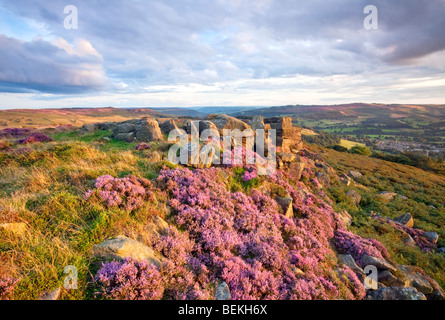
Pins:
x,y
379,263
148,130
168,126
287,136
157,226
123,247
222,121
354,196
389,280
323,178
198,126
441,250
144,130
345,217
386,196
415,279
222,292
438,293
52,295
349,261
345,180
431,236
199,157
286,204
296,169
89,127
406,219
125,136
395,293
355,174
286,157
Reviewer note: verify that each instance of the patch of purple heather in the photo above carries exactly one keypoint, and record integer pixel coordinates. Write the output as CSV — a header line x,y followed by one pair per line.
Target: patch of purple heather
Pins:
x,y
35,137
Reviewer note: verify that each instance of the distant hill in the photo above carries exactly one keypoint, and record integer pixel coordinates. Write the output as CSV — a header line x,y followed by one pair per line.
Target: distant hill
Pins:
x,y
421,122
72,116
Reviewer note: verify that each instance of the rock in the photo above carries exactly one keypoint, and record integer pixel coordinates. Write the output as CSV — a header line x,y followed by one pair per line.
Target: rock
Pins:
x,y
345,217
323,178
415,279
144,130
157,226
345,180
389,280
438,293
199,157
441,250
148,129
349,261
395,293
287,135
122,247
380,263
408,240
386,196
18,228
354,196
168,126
53,295
222,121
125,136
402,197
198,126
286,205
355,174
296,169
323,166
432,236
286,157
89,127
406,219
222,292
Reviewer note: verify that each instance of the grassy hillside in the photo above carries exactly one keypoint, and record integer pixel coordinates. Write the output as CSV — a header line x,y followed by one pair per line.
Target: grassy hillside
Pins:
x,y
70,116
425,201
43,185
373,120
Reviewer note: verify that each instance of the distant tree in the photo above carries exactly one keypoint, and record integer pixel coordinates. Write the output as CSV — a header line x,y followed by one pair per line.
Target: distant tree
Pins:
x,y
360,150
338,147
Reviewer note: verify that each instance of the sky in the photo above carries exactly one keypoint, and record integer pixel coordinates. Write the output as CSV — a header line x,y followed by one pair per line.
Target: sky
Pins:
x,y
184,53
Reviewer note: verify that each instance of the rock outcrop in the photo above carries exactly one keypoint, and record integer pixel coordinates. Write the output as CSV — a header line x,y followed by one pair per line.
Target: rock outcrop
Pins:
x,y
287,135
123,247
222,121
143,130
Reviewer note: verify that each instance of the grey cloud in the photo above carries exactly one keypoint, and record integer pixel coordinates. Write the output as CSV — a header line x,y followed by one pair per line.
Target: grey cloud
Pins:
x,y
177,42
42,66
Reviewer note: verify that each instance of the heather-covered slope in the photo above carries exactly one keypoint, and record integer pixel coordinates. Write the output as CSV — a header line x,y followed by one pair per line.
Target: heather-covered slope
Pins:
x,y
203,228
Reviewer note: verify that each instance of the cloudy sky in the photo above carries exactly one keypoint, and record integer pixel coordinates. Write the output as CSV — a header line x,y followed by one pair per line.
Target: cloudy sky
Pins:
x,y
176,53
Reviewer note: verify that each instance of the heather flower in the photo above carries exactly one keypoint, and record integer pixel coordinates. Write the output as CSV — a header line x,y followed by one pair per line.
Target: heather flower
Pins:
x,y
14,132
7,286
142,146
35,137
130,280
128,193
356,246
